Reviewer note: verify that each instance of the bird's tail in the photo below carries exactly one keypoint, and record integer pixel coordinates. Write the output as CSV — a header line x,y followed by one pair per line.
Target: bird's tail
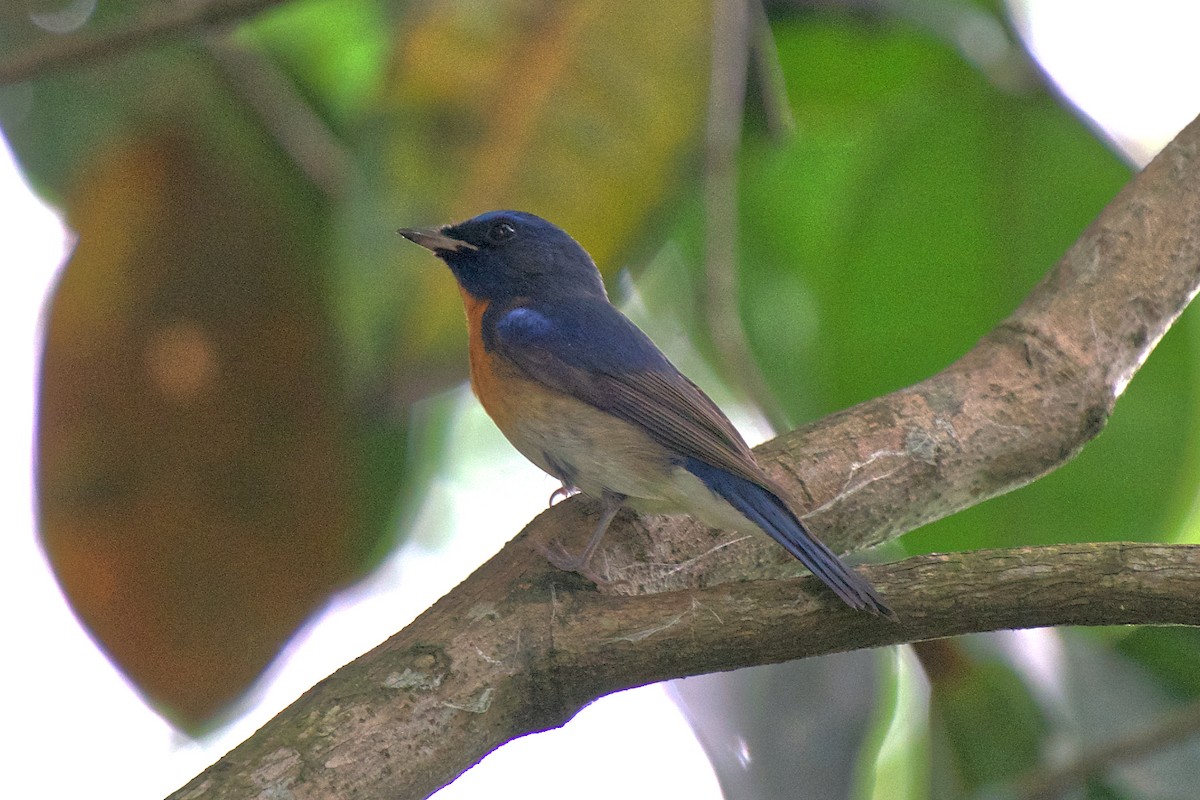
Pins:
x,y
772,515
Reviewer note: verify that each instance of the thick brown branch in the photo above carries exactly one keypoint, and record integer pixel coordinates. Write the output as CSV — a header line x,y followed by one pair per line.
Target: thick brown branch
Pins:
x,y
481,668
157,23
519,647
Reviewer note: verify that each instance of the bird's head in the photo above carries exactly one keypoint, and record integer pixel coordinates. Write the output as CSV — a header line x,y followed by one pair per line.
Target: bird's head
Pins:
x,y
503,254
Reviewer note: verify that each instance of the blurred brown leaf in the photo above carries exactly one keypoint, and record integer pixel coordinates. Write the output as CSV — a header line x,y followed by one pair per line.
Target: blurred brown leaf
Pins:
x,y
192,473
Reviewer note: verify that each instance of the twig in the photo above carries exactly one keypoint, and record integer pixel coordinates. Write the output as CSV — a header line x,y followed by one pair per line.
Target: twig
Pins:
x,y
1171,729
731,26
300,133
768,73
157,23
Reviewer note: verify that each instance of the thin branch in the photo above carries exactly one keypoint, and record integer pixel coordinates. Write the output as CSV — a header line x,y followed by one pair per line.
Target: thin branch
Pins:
x,y
155,24
768,76
291,121
731,35
1173,728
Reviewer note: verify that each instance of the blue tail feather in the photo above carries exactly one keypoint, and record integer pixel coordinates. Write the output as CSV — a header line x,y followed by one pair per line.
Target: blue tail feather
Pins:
x,y
772,515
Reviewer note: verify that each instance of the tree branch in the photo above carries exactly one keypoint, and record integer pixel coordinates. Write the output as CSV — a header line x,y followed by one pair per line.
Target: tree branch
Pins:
x,y
497,658
157,23
519,647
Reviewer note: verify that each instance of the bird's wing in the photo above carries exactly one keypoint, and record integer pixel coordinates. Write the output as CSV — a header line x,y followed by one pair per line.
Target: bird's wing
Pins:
x,y
586,348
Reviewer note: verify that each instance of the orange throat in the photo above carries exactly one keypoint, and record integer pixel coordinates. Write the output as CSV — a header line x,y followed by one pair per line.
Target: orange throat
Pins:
x,y
504,391
483,374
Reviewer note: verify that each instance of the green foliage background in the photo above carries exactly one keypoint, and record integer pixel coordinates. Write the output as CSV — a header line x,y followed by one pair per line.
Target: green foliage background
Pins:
x,y
920,197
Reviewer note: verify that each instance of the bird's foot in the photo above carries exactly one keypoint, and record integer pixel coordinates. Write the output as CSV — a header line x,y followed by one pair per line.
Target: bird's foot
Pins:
x,y
557,555
593,571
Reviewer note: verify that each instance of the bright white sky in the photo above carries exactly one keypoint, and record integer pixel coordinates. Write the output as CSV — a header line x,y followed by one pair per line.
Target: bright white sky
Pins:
x,y
1131,65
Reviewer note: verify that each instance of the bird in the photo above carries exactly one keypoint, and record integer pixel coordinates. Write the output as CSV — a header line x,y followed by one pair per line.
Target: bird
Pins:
x,y
584,394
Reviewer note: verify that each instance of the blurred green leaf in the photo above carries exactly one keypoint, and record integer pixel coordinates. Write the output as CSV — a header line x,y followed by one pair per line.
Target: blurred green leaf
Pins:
x,y
333,50
913,210
1172,655
987,726
897,765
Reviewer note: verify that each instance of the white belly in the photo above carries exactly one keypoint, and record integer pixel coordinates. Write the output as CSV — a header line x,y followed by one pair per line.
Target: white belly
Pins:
x,y
591,449
595,451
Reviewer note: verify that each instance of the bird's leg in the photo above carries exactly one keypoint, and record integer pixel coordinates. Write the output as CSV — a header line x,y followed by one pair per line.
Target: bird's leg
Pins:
x,y
563,492
610,504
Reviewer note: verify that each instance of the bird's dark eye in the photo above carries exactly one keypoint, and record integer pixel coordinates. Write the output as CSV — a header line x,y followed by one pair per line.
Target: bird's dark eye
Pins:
x,y
501,232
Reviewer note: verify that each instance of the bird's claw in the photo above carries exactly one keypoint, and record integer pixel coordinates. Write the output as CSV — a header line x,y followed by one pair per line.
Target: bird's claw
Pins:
x,y
562,493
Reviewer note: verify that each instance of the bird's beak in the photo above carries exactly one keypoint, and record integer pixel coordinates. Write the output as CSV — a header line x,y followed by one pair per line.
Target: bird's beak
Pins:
x,y
435,240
